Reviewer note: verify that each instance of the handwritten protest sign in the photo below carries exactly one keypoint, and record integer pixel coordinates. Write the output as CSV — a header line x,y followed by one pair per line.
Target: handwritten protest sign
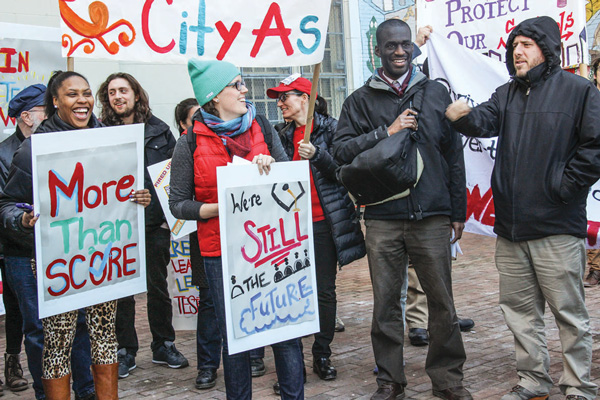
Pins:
x,y
161,178
267,252
28,54
473,77
484,25
89,239
260,33
184,295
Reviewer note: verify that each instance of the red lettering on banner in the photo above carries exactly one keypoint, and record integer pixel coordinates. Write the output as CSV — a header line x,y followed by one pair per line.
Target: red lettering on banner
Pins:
x,y
481,208
23,62
274,12
76,184
6,119
592,232
146,29
8,53
228,37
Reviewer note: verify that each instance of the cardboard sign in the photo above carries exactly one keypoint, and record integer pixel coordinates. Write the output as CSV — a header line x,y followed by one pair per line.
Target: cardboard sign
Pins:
x,y
28,55
184,295
267,254
89,240
484,25
161,178
260,33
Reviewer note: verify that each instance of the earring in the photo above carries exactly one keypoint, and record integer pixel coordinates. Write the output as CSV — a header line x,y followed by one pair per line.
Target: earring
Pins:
x,y
55,106
216,100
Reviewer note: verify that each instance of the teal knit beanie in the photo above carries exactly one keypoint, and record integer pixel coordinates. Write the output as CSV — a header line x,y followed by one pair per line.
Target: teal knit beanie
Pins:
x,y
210,77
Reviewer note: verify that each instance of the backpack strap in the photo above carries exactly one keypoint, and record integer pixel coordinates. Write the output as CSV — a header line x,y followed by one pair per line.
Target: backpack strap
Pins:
x,y
267,130
191,139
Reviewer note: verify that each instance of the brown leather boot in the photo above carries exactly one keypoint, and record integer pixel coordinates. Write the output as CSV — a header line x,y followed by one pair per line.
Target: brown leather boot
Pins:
x,y
57,389
13,373
106,377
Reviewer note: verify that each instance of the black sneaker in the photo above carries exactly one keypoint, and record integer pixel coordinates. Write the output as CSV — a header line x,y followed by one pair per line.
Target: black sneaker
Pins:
x,y
168,354
257,366
126,363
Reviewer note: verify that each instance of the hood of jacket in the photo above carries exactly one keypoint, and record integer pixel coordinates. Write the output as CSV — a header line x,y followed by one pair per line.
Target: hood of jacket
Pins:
x,y
545,32
377,82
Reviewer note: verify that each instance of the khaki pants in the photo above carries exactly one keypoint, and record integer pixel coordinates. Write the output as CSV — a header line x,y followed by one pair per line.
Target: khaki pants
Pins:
x,y
416,302
533,273
593,259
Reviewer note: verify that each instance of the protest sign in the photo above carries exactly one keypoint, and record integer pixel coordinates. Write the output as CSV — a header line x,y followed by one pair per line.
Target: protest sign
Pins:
x,y
474,77
484,25
267,254
28,54
160,173
184,295
261,33
89,240
2,310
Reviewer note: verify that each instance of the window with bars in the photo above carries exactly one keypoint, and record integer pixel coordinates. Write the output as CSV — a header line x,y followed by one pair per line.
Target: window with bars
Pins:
x,y
332,81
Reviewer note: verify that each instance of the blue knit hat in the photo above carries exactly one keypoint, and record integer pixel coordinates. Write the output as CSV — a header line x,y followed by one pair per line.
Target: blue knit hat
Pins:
x,y
26,99
210,77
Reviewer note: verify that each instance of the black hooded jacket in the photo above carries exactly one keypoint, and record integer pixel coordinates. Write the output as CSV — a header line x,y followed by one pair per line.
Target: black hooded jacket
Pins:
x,y
548,128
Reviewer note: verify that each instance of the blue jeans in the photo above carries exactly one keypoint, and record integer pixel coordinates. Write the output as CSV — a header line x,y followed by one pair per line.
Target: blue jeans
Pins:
x,y
20,276
238,380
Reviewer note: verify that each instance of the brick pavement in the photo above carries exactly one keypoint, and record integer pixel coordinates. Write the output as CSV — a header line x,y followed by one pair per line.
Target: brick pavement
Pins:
x,y
489,370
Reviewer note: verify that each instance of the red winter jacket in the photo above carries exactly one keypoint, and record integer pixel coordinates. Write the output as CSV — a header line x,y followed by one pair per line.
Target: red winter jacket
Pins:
x,y
211,153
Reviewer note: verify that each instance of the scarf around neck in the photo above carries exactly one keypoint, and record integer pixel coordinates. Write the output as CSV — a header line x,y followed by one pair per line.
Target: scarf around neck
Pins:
x,y
234,133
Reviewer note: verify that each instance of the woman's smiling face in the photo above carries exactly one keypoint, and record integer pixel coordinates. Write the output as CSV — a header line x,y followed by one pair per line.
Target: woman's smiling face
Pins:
x,y
75,102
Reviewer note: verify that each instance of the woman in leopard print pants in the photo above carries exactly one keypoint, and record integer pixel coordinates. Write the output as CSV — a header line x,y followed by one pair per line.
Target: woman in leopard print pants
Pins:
x,y
69,103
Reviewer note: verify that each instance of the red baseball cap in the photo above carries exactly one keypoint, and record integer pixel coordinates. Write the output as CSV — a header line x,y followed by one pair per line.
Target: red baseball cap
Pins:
x,y
292,82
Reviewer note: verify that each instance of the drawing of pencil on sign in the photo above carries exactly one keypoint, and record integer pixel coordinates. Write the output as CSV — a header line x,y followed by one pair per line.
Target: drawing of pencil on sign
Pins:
x,y
266,237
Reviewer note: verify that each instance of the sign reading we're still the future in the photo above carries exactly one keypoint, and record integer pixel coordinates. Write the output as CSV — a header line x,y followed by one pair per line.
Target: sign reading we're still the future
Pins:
x,y
259,33
89,239
267,251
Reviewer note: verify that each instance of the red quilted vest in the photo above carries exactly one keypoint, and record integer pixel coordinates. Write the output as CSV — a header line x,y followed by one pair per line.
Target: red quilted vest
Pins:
x,y
211,153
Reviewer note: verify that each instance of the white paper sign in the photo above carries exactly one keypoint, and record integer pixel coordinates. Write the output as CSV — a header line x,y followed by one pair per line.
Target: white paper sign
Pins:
x,y
484,25
259,33
89,240
184,295
267,254
160,173
28,54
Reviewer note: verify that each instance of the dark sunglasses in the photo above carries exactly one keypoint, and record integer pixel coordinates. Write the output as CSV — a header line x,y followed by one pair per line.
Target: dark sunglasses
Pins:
x,y
238,85
283,96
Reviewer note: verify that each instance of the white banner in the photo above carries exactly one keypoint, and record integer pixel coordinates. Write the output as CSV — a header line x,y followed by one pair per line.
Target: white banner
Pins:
x,y
184,295
259,33
474,77
267,251
89,240
484,25
28,54
161,178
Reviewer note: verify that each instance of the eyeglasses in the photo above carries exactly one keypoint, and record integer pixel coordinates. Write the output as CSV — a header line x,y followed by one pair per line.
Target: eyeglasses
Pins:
x,y
283,96
238,85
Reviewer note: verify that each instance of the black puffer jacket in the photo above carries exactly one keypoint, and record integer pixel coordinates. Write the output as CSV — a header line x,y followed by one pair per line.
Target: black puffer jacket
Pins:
x,y
159,143
365,116
19,188
338,208
548,128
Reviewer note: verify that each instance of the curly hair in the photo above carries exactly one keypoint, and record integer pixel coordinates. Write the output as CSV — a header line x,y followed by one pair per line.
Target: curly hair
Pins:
x,y
141,110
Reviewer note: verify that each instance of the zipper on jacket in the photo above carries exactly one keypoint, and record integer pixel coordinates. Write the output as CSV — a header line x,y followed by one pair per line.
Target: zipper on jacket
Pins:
x,y
528,90
522,122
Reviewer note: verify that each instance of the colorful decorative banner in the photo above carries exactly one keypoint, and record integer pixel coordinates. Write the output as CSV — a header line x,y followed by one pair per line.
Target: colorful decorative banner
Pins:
x,y
161,177
484,25
473,77
28,55
90,237
184,295
267,252
260,33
